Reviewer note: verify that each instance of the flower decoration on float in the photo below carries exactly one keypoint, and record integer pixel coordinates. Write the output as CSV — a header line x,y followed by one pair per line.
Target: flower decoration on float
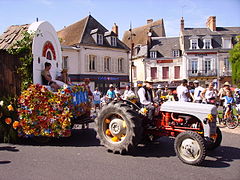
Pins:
x,y
45,113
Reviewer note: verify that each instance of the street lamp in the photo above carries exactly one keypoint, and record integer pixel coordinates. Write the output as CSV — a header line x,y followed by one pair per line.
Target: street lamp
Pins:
x,y
131,55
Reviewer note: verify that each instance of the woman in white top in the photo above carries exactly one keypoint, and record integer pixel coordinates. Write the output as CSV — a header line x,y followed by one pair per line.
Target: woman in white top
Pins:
x,y
209,95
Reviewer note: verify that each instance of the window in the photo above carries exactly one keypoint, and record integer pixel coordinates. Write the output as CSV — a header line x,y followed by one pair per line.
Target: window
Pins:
x,y
100,39
65,62
107,64
226,43
165,72
120,65
113,41
194,66
153,54
134,70
207,65
194,44
175,53
92,63
207,43
154,72
49,55
176,72
226,64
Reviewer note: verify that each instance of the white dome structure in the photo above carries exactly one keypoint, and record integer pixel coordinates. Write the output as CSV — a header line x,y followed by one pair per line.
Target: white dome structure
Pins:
x,y
45,48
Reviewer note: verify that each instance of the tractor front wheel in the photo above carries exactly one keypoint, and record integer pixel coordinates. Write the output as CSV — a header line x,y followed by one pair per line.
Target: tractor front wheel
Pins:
x,y
190,147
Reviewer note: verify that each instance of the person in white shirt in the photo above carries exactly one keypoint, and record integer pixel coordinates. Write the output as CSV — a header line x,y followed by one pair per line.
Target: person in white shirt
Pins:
x,y
197,92
128,92
146,98
183,92
96,98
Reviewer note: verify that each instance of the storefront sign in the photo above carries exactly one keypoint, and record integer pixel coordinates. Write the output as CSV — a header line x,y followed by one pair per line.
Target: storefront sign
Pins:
x,y
165,61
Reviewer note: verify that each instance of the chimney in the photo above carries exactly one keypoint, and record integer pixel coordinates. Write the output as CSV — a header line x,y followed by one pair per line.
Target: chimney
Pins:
x,y
149,21
182,24
211,23
115,29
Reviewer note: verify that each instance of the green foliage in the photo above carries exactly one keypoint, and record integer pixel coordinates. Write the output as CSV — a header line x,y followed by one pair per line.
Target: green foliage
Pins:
x,y
23,49
235,62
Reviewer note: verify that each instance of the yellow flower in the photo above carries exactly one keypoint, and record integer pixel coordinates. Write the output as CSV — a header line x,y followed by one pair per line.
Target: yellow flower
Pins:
x,y
10,107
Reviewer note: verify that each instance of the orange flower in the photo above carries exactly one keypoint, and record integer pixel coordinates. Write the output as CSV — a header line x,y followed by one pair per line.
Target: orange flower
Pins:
x,y
8,120
10,108
15,124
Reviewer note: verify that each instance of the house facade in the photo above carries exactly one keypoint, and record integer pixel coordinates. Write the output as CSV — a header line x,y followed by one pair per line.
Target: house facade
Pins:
x,y
137,39
91,51
155,57
205,51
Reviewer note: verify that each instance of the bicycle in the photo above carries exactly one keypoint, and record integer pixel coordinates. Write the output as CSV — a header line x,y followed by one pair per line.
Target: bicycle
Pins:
x,y
231,120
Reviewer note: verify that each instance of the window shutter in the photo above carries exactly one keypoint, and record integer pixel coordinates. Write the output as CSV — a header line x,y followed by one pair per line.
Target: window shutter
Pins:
x,y
86,61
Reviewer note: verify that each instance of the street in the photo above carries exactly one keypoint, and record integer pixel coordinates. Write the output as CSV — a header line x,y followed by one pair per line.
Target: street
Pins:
x,y
81,157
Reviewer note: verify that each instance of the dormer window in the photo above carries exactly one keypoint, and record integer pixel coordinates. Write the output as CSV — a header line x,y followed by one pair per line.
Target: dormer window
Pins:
x,y
153,54
194,42
226,42
207,41
113,41
175,53
99,39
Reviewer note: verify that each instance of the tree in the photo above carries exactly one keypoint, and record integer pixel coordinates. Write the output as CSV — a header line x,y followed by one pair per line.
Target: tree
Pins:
x,y
235,62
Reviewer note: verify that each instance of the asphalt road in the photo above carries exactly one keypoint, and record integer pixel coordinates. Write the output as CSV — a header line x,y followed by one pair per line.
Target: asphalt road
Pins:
x,y
81,157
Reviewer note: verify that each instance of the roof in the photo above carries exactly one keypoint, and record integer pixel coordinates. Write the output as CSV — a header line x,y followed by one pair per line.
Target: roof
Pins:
x,y
141,33
207,31
11,35
80,33
165,46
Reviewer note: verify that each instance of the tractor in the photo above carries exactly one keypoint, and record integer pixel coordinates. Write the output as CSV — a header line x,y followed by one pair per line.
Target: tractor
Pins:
x,y
122,125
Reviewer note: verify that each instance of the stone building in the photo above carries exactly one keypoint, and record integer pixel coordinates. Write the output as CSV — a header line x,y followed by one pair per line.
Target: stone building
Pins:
x,y
206,51
138,40
91,51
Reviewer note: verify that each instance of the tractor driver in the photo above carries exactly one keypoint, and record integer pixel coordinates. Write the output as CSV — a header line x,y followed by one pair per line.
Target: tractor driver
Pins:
x,y
146,98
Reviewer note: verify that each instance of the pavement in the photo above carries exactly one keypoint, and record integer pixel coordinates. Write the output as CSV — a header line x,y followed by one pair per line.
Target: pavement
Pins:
x,y
226,129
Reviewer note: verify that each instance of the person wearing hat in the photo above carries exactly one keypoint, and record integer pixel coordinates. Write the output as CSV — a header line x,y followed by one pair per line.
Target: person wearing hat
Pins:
x,y
223,91
197,92
159,91
146,98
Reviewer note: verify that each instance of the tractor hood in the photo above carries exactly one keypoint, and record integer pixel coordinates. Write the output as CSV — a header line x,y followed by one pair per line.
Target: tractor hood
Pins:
x,y
198,110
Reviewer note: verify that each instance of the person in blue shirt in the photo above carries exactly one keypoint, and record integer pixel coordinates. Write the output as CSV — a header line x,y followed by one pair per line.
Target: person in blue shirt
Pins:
x,y
111,95
228,101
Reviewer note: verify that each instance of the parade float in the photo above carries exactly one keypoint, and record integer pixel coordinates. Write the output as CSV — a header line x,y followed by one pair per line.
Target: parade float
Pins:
x,y
38,111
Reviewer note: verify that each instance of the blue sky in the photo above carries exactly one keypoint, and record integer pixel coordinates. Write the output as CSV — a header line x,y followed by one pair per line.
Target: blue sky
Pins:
x,y
62,13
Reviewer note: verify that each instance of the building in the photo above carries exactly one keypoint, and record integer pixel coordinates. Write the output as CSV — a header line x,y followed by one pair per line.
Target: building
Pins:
x,y
205,51
164,64
91,51
139,39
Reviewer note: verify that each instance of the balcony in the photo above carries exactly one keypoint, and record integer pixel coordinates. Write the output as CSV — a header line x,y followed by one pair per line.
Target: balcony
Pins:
x,y
225,73
195,73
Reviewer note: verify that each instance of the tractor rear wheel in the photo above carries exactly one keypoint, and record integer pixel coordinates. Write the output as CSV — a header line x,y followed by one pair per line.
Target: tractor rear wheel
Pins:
x,y
190,147
119,127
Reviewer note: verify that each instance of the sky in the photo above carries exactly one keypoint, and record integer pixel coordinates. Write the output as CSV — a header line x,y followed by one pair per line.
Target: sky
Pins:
x,y
62,13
